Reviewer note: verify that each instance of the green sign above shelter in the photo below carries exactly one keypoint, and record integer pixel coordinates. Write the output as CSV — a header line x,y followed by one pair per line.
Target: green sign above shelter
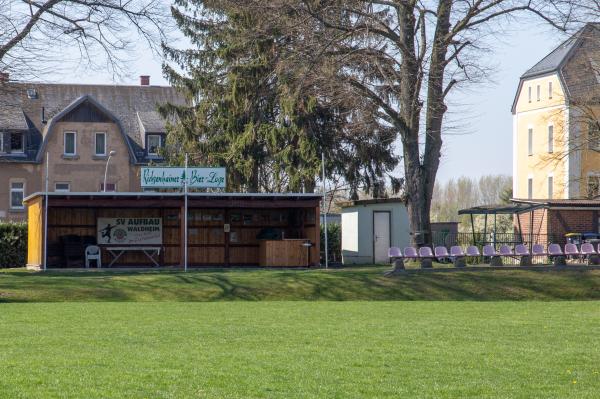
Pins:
x,y
175,177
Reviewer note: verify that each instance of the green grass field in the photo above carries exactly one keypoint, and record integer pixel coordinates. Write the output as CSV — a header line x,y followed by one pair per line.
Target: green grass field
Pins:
x,y
299,334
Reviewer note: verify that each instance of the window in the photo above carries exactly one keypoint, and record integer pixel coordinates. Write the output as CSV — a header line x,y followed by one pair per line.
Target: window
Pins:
x,y
594,136
17,193
154,144
550,90
530,141
100,144
529,93
593,186
550,186
109,187
2,143
539,92
550,138
17,143
530,188
64,187
70,143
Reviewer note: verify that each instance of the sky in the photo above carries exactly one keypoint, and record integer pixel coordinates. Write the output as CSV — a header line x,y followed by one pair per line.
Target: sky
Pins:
x,y
481,143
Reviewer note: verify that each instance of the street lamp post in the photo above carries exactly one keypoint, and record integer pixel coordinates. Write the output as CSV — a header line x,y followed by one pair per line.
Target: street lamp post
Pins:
x,y
110,154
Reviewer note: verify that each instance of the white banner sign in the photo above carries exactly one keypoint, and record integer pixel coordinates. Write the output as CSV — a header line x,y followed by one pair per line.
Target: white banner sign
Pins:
x,y
174,177
130,231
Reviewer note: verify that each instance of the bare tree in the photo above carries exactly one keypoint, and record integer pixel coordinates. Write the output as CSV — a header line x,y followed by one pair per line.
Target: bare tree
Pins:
x,y
405,57
40,34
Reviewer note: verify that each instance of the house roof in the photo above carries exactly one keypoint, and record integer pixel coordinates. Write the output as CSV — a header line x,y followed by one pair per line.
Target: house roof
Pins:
x,y
350,203
555,61
557,57
133,106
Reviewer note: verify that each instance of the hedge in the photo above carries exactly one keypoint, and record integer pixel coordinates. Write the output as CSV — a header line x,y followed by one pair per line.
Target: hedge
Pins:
x,y
334,240
13,244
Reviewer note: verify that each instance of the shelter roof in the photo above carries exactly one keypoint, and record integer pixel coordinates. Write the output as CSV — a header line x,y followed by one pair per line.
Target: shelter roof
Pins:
x,y
350,203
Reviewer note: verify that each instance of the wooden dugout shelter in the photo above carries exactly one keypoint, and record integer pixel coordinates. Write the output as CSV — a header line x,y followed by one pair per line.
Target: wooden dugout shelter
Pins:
x,y
223,229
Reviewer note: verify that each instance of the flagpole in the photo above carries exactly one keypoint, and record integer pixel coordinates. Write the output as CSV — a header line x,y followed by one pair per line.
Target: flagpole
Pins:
x,y
46,214
185,233
325,212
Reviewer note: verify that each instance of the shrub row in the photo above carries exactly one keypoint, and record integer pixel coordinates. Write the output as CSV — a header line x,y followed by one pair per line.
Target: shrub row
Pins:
x,y
13,244
334,240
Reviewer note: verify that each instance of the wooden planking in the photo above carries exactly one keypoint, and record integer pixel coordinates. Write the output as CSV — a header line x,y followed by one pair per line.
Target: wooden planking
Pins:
x,y
35,233
243,255
206,255
285,253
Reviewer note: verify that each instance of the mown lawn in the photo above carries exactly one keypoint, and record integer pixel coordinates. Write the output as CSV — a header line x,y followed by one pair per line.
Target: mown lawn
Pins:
x,y
366,283
349,333
300,350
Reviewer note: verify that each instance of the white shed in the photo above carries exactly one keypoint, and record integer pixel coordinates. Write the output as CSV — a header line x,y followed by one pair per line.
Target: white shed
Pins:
x,y
371,227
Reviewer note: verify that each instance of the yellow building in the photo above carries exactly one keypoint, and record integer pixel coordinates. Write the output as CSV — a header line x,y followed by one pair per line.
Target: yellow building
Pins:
x,y
556,135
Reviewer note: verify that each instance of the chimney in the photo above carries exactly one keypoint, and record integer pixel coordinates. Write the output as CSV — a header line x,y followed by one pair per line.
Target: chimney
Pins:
x,y
4,77
144,80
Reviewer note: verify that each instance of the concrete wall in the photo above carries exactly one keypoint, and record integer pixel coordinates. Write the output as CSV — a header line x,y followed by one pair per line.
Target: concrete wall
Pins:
x,y
362,253
19,172
539,116
84,171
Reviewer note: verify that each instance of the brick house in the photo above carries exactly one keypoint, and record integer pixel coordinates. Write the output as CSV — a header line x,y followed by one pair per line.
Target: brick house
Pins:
x,y
75,127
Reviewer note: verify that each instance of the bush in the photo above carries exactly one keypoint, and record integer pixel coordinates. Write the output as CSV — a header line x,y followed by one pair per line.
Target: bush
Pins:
x,y
13,244
334,241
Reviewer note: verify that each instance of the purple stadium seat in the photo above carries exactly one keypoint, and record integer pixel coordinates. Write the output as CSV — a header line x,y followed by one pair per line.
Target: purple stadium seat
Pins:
x,y
571,249
521,250
505,250
538,250
425,252
394,252
441,252
555,250
488,250
473,251
411,253
457,252
587,249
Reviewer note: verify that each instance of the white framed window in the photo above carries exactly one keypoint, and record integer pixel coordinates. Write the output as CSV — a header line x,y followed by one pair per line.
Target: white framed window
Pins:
x,y
154,144
550,90
550,186
529,93
17,193
530,187
17,143
594,136
550,138
62,187
100,144
530,141
112,187
539,92
70,139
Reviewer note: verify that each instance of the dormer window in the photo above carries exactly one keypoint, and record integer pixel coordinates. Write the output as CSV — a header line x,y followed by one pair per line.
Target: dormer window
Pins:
x,y
17,143
32,94
155,142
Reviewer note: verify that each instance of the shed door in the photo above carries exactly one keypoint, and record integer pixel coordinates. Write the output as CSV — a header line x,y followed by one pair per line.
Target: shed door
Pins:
x,y
381,236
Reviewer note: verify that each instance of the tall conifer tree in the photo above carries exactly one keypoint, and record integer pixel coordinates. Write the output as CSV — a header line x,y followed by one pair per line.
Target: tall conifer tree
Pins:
x,y
246,114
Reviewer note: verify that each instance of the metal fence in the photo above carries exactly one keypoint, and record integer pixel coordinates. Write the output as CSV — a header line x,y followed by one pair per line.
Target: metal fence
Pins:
x,y
511,239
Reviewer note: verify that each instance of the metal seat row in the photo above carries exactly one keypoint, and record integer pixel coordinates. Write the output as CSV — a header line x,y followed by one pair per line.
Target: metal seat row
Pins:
x,y
520,250
427,253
